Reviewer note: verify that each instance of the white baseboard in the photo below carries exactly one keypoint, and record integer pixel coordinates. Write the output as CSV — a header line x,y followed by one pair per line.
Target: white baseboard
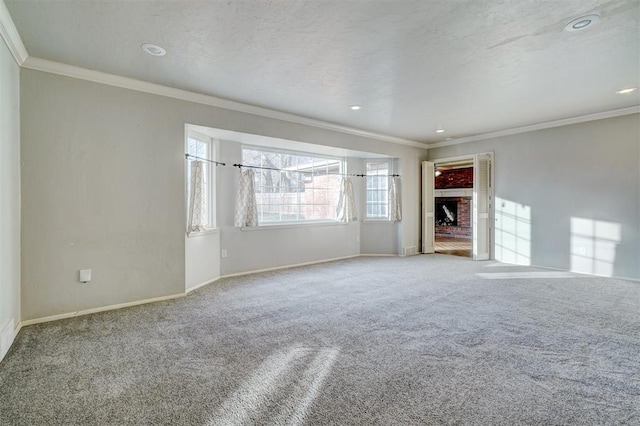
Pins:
x,y
162,298
378,255
100,309
197,286
295,265
175,296
550,268
635,280
8,334
275,268
582,273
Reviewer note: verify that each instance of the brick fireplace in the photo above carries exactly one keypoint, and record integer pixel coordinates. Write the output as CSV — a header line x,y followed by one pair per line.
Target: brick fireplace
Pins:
x,y
453,217
453,210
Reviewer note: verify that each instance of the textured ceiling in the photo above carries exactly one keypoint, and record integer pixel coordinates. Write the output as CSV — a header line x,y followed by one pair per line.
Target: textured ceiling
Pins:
x,y
470,67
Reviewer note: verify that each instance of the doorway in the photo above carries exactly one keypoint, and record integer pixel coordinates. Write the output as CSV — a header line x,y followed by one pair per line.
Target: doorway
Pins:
x,y
453,201
457,198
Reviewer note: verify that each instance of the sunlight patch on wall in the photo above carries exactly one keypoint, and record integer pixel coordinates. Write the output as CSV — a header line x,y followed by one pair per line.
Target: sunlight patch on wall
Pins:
x,y
593,246
513,232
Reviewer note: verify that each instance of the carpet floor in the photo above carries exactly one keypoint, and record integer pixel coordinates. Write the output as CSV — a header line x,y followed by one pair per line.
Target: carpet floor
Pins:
x,y
366,341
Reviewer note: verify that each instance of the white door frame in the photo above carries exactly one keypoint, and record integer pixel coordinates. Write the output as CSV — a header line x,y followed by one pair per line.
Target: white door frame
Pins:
x,y
428,202
428,221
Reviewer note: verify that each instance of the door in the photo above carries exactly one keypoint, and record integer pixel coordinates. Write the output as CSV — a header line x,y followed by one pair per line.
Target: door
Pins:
x,y
482,210
428,203
481,207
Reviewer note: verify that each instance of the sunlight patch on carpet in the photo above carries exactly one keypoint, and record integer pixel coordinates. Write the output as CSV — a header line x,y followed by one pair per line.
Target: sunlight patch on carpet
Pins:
x,y
528,275
279,382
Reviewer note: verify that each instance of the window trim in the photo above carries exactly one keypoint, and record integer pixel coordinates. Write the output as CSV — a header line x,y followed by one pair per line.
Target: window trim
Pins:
x,y
211,175
295,223
365,216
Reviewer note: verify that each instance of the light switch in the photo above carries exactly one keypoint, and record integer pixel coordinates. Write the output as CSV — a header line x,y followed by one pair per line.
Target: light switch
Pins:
x,y
85,275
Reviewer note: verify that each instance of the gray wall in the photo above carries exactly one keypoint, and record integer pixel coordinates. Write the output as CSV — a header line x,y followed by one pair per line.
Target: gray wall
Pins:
x,y
103,188
379,238
9,198
588,173
202,258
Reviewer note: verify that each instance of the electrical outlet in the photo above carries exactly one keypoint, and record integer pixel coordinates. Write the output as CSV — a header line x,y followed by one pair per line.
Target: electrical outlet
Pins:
x,y
224,252
85,275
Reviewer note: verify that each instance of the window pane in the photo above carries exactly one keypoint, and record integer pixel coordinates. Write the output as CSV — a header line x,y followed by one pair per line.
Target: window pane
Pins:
x,y
306,187
377,188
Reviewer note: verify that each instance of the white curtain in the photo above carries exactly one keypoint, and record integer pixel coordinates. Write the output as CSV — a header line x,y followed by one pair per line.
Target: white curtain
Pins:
x,y
347,211
197,208
395,211
246,213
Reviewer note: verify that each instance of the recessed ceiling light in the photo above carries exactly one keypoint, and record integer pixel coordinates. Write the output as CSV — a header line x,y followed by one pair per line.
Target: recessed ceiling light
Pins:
x,y
582,22
153,49
440,131
624,91
355,107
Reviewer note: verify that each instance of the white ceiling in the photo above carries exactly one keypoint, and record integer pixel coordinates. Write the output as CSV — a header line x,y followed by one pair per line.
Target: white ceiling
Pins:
x,y
470,67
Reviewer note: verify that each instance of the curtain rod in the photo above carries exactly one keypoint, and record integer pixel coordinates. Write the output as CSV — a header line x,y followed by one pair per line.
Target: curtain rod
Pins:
x,y
217,163
314,174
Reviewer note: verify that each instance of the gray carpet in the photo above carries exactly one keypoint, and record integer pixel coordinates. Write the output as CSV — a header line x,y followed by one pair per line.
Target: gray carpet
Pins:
x,y
420,340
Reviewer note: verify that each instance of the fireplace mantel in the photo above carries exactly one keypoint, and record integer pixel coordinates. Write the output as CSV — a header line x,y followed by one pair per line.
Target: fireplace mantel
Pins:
x,y
454,192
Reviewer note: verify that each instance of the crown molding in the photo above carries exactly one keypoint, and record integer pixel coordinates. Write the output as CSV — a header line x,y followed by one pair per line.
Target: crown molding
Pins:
x,y
540,126
14,43
44,65
10,35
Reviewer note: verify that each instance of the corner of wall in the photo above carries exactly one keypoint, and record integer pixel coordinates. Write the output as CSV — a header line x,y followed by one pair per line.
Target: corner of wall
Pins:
x,y
8,334
10,246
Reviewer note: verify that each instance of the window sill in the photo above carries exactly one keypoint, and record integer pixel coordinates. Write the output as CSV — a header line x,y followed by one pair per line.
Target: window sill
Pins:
x,y
292,225
209,231
377,221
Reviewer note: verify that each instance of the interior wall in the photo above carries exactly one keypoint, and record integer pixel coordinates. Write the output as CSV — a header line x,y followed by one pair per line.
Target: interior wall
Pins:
x,y
9,198
571,195
379,238
202,258
104,189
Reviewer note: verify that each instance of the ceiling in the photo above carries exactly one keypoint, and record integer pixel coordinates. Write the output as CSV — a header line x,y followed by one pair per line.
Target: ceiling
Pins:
x,y
469,67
